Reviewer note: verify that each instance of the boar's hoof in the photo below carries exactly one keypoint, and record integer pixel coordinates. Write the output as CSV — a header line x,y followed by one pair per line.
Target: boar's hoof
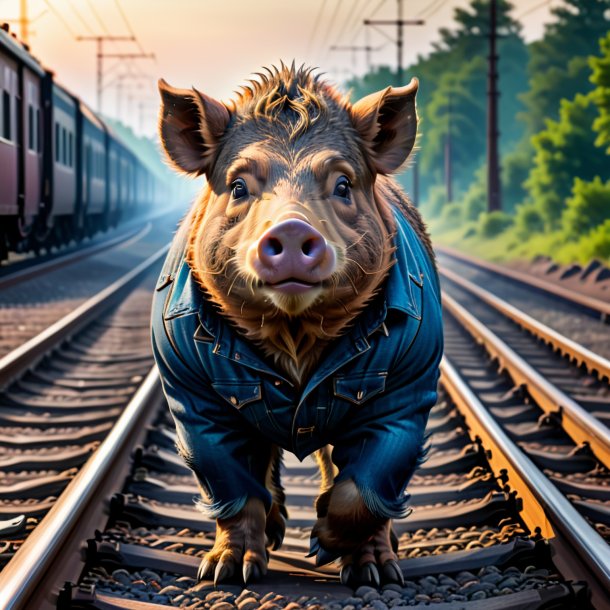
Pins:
x,y
392,573
275,528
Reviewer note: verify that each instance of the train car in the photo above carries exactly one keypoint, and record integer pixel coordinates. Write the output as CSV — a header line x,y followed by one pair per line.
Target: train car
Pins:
x,y
61,163
92,145
64,173
21,146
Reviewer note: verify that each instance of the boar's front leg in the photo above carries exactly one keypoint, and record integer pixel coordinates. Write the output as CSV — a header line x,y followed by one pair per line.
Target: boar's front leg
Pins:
x,y
240,541
361,539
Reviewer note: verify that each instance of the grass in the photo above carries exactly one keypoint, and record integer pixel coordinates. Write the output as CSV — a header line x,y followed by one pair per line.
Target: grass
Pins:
x,y
510,246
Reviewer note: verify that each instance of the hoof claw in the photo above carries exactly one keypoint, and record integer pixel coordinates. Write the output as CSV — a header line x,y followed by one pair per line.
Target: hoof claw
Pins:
x,y
392,573
314,547
204,570
223,571
251,572
323,557
369,575
347,575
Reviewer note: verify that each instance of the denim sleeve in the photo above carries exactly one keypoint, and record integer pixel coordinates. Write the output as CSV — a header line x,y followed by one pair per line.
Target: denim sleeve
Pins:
x,y
384,442
227,457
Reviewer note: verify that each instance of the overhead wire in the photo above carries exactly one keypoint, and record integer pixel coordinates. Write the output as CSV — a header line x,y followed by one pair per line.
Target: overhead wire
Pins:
x,y
80,17
316,25
533,8
61,18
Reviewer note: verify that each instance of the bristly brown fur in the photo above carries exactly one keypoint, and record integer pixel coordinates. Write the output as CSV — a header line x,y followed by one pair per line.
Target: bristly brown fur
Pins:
x,y
295,115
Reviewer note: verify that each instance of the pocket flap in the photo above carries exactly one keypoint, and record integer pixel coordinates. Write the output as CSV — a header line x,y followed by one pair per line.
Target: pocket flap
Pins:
x,y
359,388
238,394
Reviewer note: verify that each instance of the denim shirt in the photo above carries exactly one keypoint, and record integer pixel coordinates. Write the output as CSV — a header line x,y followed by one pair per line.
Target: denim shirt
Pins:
x,y
369,397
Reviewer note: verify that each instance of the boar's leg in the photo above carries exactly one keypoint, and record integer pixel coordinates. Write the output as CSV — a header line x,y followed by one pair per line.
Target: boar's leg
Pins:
x,y
327,469
346,528
240,540
277,516
378,554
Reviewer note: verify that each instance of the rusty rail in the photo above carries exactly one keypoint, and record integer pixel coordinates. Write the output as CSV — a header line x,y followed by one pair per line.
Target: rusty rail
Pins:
x,y
545,507
599,307
581,426
52,544
592,361
27,355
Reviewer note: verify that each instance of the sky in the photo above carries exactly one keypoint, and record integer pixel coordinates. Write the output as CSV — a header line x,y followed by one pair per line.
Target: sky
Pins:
x,y
216,45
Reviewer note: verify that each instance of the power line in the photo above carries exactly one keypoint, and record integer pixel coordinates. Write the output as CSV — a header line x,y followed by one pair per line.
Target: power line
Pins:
x,y
431,9
534,8
316,25
347,22
331,22
80,17
129,28
97,17
59,16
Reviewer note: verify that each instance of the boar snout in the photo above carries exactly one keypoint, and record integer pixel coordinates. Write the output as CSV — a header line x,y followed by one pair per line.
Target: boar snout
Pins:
x,y
292,255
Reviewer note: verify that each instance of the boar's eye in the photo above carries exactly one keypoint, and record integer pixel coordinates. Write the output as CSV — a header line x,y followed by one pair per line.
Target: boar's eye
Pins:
x,y
239,188
342,188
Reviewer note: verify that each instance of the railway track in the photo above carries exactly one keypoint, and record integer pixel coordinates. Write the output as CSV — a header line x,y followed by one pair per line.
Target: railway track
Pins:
x,y
510,510
579,318
36,297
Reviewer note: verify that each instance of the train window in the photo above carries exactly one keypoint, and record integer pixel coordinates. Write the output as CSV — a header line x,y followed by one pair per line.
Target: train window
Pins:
x,y
38,134
6,115
57,142
31,142
71,149
64,144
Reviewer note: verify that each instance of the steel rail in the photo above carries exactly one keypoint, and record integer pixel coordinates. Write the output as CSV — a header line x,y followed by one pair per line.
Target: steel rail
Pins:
x,y
580,425
71,257
528,480
598,306
42,550
27,355
583,356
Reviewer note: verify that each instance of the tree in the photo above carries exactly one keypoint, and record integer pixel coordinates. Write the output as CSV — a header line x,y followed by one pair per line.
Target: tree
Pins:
x,y
565,150
601,79
559,68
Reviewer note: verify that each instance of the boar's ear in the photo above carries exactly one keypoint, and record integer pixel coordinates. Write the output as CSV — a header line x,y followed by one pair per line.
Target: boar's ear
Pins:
x,y
388,123
190,125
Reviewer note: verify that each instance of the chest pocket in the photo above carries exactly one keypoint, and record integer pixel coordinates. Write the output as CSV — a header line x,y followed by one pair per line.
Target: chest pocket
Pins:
x,y
238,394
359,388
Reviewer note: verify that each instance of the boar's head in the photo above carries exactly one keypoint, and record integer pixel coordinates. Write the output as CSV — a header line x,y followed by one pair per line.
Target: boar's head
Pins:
x,y
292,234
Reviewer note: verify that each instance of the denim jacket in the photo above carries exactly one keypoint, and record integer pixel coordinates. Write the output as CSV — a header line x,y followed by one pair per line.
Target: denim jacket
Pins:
x,y
369,396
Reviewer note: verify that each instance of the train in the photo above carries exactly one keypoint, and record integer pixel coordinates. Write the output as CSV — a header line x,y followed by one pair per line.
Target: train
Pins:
x,y
65,174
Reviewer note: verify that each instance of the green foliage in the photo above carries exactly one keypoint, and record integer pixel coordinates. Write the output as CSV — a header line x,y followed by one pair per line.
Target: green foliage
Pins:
x,y
601,78
451,215
474,202
565,150
437,199
597,243
494,223
559,68
528,220
516,166
588,207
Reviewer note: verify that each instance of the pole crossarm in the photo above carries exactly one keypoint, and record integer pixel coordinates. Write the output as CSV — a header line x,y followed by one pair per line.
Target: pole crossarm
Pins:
x,y
130,55
398,22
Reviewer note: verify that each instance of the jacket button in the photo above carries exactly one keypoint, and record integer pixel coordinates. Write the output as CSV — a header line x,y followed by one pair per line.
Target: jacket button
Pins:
x,y
277,382
233,400
360,394
237,356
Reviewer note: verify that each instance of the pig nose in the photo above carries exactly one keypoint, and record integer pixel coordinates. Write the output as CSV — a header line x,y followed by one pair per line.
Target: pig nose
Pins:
x,y
292,243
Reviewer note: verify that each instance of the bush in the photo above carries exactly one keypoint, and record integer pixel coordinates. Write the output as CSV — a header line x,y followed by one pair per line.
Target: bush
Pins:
x,y
436,202
588,207
475,201
494,223
452,214
597,243
528,220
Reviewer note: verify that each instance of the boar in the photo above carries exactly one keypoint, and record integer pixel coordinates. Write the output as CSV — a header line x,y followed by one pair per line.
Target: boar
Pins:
x,y
298,309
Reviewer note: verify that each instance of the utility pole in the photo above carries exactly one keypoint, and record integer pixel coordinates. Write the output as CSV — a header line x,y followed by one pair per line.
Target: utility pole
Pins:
x,y
24,22
494,198
448,167
400,23
101,56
